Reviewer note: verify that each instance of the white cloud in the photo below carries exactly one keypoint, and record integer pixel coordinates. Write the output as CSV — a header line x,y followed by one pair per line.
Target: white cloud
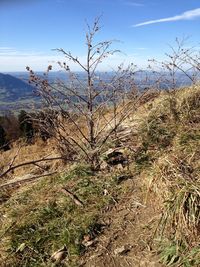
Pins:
x,y
188,15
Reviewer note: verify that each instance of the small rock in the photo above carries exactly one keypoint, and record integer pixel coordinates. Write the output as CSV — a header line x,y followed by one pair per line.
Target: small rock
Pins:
x,y
115,157
60,255
89,243
122,178
87,238
104,165
122,250
105,192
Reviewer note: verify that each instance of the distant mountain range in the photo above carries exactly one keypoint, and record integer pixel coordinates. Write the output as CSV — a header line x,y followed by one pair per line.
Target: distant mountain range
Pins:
x,y
16,93
14,89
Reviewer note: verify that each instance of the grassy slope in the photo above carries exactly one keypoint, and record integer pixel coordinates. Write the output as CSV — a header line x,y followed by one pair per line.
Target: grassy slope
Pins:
x,y
39,219
172,139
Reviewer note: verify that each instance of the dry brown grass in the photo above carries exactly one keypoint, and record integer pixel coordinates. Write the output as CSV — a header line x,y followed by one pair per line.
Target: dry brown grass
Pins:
x,y
23,152
167,187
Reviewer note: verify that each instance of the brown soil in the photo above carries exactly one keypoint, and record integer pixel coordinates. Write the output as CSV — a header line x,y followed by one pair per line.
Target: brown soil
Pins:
x,y
131,226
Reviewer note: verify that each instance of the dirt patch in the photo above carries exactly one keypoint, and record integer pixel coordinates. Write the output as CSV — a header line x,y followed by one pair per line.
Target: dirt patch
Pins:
x,y
127,239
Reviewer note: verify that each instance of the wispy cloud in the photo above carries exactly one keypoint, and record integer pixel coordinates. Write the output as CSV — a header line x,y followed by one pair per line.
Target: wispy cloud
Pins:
x,y
188,15
18,62
5,48
6,51
11,51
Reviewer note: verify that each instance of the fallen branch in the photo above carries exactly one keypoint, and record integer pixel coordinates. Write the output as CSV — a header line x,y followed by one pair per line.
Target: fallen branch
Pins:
x,y
22,181
33,162
76,200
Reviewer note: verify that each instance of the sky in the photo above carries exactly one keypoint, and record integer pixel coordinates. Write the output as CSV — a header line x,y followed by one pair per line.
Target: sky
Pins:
x,y
31,29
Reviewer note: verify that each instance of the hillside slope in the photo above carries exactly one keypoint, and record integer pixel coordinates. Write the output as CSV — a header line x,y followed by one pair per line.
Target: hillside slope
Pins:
x,y
15,94
147,214
12,88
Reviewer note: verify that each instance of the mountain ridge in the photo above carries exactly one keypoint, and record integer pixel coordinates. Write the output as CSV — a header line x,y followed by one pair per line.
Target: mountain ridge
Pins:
x,y
14,89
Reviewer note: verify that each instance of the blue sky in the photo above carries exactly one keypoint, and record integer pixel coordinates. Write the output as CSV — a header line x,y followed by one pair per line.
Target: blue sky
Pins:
x,y
29,30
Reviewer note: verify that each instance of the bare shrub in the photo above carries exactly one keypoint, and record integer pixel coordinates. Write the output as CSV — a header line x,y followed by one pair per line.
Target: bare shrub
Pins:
x,y
180,67
84,112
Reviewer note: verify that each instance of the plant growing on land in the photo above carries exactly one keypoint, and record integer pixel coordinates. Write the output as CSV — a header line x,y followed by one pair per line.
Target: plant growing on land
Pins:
x,y
87,110
180,60
10,126
181,64
25,125
3,141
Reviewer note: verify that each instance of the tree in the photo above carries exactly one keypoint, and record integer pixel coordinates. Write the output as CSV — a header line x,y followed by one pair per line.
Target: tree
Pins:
x,y
92,104
3,140
26,125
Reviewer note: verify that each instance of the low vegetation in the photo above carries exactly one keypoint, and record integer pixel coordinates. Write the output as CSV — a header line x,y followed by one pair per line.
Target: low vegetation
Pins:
x,y
40,219
45,219
121,151
175,175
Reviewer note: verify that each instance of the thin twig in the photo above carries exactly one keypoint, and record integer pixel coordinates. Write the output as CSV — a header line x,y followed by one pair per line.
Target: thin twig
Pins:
x,y
76,200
